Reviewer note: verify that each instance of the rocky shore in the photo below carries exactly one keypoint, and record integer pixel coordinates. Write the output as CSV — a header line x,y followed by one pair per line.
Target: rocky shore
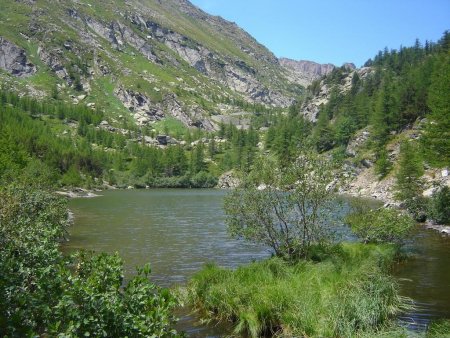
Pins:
x,y
78,193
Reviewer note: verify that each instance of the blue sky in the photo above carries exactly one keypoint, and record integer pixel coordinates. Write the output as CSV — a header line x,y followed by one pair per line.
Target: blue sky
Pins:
x,y
334,31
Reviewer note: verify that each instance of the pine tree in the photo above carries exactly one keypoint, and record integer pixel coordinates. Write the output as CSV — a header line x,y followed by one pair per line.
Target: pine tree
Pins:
x,y
383,165
198,158
384,116
409,184
436,139
323,135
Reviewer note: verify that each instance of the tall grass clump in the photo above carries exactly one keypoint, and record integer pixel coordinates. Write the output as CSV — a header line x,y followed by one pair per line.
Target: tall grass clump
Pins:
x,y
347,294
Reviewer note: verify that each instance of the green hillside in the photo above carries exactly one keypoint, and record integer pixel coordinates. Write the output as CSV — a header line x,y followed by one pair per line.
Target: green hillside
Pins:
x,y
168,53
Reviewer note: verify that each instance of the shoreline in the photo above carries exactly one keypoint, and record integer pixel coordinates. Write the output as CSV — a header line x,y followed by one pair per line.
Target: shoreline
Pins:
x,y
79,193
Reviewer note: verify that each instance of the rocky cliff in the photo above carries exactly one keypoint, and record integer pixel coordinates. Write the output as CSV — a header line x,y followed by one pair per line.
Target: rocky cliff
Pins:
x,y
14,59
149,59
305,72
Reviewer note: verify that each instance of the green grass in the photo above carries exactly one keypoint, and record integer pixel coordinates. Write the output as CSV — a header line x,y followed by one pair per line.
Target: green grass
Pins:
x,y
347,295
103,95
170,126
439,329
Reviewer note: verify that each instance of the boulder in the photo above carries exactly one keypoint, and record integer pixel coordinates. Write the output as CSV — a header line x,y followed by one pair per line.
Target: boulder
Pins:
x,y
228,181
14,59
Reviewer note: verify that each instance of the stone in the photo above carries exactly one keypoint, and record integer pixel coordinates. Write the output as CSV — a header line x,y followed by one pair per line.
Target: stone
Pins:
x,y
367,163
228,181
429,192
14,59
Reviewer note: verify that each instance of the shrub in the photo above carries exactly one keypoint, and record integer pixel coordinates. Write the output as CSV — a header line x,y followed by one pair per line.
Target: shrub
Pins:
x,y
409,184
286,209
439,206
45,293
383,165
381,225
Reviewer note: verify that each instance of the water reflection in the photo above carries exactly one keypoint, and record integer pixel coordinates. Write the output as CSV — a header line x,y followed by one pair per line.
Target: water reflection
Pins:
x,y
178,231
425,277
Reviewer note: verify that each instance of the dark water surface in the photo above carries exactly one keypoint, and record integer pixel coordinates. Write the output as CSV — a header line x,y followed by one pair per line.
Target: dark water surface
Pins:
x,y
176,230
425,277
179,230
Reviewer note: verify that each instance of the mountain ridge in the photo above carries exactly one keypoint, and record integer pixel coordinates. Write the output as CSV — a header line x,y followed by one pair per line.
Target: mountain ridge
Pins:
x,y
166,53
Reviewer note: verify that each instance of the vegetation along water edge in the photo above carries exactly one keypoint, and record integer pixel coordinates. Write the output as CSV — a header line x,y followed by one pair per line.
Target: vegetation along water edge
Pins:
x,y
152,94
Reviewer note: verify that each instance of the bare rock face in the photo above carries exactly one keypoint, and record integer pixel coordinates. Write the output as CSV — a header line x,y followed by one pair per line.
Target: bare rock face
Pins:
x,y
305,72
235,74
349,65
357,142
145,111
14,60
53,60
140,106
118,34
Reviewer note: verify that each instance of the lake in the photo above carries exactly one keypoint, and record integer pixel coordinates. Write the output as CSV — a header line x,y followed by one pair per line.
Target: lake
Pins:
x,y
179,230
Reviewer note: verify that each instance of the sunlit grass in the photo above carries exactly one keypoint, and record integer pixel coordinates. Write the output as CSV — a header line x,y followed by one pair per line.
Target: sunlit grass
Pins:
x,y
348,294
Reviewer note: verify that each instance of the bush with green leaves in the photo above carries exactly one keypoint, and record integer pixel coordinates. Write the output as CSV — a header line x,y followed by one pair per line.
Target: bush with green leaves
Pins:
x,y
44,293
383,165
382,225
287,209
439,206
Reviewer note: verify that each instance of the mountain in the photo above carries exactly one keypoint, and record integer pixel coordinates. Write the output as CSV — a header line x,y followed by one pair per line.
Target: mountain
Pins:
x,y
305,72
154,59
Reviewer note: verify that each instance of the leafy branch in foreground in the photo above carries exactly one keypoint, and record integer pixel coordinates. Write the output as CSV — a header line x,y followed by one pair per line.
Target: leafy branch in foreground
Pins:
x,y
44,293
287,209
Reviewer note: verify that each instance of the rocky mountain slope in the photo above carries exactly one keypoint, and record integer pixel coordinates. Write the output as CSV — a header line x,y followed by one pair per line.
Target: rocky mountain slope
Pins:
x,y
146,60
305,72
324,89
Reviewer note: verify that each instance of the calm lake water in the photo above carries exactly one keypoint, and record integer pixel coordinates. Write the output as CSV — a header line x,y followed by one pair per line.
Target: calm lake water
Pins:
x,y
425,277
179,230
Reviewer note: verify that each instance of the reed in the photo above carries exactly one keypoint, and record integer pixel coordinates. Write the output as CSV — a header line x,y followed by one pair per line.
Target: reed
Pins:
x,y
347,294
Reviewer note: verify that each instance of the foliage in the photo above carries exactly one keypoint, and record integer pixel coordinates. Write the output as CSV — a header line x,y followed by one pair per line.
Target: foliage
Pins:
x,y
436,139
199,180
347,294
323,134
240,149
409,184
285,208
75,160
439,206
383,165
287,135
380,225
203,180
45,293
403,86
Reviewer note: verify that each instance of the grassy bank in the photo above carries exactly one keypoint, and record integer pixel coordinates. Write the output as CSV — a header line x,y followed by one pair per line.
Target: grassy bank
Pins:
x,y
347,294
